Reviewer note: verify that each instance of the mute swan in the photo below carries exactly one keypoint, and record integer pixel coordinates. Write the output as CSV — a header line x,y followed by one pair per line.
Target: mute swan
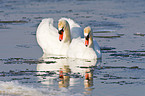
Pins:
x,y
53,43
86,48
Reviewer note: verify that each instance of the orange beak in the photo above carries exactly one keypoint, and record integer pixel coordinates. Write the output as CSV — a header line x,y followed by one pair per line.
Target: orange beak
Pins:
x,y
61,36
86,42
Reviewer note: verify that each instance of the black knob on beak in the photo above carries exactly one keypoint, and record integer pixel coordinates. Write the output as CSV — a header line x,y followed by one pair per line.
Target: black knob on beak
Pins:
x,y
60,31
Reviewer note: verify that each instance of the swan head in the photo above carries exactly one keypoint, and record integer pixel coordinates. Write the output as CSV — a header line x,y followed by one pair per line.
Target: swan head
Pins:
x,y
87,35
63,29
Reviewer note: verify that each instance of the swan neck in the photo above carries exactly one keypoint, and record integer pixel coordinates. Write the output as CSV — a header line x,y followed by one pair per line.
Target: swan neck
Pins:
x,y
67,35
91,44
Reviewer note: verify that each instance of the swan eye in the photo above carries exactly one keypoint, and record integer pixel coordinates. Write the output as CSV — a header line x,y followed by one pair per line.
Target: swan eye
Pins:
x,y
87,36
61,31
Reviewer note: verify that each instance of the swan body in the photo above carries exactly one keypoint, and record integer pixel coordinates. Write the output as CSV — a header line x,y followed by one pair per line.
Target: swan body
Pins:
x,y
49,40
84,48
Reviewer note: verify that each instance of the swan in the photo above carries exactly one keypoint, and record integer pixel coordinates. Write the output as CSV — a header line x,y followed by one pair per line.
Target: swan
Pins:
x,y
85,48
53,41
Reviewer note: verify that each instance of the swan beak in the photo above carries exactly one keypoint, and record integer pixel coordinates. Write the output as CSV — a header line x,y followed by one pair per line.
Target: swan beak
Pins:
x,y
61,35
87,39
86,42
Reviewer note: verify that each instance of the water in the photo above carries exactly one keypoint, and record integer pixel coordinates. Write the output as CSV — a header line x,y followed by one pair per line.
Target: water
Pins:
x,y
118,27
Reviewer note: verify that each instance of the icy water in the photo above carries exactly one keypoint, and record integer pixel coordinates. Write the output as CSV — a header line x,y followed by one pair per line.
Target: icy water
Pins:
x,y
118,26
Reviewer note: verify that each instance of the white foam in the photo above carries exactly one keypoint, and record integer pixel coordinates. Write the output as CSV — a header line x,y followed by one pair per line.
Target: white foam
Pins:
x,y
16,89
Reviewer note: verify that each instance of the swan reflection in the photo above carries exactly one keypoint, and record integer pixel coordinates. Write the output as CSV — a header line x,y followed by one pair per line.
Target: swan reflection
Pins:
x,y
65,71
88,82
64,76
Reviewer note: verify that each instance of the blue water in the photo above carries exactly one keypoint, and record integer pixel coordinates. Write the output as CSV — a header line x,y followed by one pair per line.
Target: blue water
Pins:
x,y
118,28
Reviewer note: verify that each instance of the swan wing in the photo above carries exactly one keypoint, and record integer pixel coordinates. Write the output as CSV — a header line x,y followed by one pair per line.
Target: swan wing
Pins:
x,y
47,36
97,49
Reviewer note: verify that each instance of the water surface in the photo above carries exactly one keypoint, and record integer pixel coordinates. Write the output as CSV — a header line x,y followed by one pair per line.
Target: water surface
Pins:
x,y
118,28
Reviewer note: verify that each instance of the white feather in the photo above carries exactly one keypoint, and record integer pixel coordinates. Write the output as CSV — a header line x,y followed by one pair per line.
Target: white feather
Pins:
x,y
48,37
77,49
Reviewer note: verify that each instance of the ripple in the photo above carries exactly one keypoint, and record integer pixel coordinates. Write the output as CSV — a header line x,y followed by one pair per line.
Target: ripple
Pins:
x,y
139,34
104,31
106,34
14,21
108,50
38,17
17,73
23,46
118,16
21,61
120,67
45,73
124,82
105,24
129,54
4,27
121,75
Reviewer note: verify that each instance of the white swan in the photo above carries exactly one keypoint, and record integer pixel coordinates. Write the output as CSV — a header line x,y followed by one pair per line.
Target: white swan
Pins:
x,y
85,48
53,43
